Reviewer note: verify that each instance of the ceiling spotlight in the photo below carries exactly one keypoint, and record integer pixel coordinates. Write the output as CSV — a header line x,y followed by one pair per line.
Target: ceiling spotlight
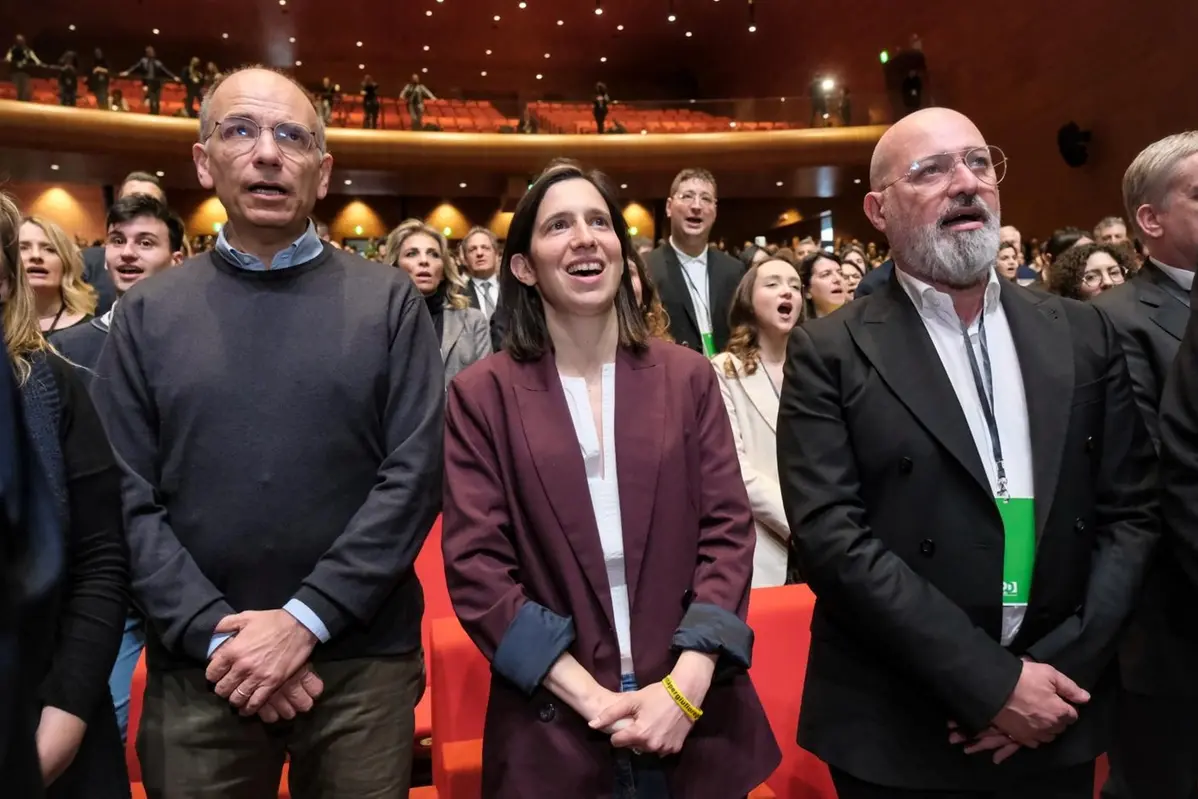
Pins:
x,y
71,27
292,40
282,2
623,185
54,167
424,70
598,6
497,17
488,52
428,13
523,5
539,76
224,36
299,63
603,59
426,48
671,18
348,182
619,27
484,73
857,180
689,34
155,31
827,84
359,44
462,185
778,184
361,66
546,55
561,22
160,173
752,29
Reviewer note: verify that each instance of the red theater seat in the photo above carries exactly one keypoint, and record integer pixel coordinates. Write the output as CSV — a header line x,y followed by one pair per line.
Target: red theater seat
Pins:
x,y
463,676
781,622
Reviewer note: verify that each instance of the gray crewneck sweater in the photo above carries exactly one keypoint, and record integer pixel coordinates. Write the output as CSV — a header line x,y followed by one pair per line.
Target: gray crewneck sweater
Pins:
x,y
280,433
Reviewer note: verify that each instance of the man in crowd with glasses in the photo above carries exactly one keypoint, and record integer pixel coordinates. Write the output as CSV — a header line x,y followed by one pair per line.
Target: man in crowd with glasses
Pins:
x,y
696,281
277,405
971,489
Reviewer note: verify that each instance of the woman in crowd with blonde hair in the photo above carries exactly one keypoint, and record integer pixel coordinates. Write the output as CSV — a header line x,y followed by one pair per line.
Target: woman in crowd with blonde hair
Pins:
x,y
72,648
54,268
423,253
768,303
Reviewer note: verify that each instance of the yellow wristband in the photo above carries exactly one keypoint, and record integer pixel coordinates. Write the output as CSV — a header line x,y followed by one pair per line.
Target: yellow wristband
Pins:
x,y
693,713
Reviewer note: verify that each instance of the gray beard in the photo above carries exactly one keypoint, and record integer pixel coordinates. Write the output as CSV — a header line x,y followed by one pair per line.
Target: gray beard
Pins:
x,y
956,260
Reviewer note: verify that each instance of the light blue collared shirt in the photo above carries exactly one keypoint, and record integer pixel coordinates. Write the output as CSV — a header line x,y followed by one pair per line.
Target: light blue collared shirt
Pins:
x,y
300,251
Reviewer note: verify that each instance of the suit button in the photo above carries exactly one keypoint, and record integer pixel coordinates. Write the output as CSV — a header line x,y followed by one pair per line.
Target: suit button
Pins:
x,y
1080,525
548,712
906,465
927,547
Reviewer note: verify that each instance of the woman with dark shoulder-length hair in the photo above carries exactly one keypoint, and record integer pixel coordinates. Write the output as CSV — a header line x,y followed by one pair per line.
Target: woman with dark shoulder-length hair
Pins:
x,y
74,642
767,305
598,540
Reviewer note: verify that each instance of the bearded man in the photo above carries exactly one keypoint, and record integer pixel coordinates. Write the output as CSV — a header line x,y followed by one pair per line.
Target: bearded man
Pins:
x,y
970,487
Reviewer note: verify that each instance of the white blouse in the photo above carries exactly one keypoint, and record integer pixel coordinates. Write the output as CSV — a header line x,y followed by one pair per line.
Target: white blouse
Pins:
x,y
605,493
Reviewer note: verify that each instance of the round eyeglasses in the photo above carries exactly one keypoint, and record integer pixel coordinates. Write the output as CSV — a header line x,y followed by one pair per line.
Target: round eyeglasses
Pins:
x,y
241,135
988,164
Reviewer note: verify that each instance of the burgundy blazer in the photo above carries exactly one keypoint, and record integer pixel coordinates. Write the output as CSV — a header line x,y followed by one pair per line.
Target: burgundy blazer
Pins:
x,y
521,542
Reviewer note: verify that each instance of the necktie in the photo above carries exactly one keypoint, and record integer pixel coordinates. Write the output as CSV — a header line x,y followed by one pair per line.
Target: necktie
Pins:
x,y
488,304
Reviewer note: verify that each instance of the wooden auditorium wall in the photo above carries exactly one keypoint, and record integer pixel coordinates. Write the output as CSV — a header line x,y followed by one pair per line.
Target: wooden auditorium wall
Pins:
x,y
78,209
1020,70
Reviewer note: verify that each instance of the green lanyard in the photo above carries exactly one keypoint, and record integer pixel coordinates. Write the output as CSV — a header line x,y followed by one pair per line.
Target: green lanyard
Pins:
x,y
1018,515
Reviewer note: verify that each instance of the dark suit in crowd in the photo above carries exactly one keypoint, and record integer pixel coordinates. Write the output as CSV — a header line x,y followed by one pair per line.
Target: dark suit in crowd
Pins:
x,y
95,274
723,275
874,279
1160,654
898,534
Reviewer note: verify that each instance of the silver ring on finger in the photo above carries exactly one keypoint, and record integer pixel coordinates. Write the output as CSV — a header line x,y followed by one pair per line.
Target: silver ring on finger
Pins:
x,y
238,690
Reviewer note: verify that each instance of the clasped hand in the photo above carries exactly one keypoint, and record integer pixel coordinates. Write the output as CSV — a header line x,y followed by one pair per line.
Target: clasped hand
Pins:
x,y
648,720
263,668
1040,708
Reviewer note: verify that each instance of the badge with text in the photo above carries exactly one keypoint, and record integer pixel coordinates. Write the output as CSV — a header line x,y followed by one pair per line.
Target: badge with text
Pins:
x,y
709,345
1019,549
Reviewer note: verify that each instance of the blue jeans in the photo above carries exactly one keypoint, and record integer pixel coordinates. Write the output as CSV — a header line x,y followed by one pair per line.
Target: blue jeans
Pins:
x,y
638,776
121,678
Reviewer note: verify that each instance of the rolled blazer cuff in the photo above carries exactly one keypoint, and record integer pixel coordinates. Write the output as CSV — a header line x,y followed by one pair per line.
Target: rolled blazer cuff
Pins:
x,y
534,640
714,631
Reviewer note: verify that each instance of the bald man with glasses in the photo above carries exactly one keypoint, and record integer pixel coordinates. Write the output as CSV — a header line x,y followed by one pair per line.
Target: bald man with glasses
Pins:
x,y
969,483
277,406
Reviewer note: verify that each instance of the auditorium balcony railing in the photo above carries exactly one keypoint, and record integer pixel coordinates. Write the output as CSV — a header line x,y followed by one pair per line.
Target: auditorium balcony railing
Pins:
x,y
749,133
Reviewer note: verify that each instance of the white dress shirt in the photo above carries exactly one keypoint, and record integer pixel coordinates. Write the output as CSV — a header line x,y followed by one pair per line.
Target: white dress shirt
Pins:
x,y
694,274
605,494
488,294
1182,277
1010,402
